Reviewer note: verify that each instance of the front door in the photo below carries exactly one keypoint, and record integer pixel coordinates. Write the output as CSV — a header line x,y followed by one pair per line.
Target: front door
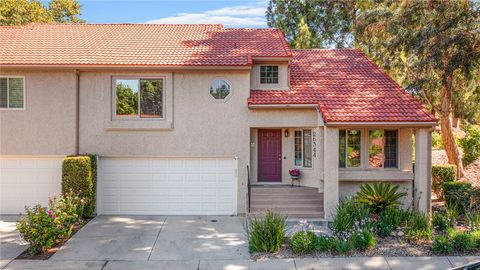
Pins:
x,y
270,155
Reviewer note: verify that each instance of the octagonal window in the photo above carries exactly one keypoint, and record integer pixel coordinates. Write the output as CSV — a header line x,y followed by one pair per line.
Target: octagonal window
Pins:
x,y
220,89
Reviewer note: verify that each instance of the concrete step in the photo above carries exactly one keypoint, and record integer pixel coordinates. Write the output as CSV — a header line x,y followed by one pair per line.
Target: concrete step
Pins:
x,y
291,197
280,202
283,190
296,215
289,209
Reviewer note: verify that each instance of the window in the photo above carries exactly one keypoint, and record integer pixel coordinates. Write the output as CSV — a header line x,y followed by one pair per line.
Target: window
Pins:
x,y
220,89
303,148
349,148
12,93
375,148
391,149
269,74
139,98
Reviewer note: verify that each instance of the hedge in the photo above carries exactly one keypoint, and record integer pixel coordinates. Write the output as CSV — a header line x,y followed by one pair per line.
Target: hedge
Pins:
x,y
458,194
79,174
442,174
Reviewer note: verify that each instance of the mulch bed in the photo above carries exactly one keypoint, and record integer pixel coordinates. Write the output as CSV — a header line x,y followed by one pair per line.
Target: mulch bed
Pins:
x,y
49,253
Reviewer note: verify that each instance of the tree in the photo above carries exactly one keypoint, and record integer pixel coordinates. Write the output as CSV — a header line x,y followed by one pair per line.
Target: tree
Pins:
x,y
304,36
22,12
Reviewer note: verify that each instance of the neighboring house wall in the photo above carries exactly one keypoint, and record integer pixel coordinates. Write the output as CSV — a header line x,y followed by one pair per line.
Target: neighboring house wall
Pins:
x,y
46,126
202,126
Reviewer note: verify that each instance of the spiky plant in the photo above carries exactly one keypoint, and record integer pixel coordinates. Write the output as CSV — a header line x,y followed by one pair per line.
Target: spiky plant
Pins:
x,y
379,196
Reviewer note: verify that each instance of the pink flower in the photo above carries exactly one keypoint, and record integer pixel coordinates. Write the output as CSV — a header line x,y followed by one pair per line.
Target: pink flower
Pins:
x,y
373,216
52,214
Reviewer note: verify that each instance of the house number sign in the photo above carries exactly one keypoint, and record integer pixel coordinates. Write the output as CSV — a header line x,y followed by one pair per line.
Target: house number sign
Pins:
x,y
314,144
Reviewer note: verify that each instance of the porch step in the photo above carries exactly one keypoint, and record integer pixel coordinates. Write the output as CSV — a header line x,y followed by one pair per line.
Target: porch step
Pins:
x,y
293,202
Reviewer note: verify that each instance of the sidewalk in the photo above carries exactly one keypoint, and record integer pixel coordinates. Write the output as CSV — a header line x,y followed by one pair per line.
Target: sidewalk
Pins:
x,y
387,263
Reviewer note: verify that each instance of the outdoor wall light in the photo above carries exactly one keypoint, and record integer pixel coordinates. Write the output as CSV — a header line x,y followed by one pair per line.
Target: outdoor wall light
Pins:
x,y
286,133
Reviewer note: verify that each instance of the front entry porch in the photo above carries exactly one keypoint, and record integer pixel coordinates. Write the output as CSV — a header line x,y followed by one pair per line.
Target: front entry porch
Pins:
x,y
294,202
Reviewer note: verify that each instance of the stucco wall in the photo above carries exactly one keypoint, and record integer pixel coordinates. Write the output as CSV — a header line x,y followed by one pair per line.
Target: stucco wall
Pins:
x,y
46,126
201,125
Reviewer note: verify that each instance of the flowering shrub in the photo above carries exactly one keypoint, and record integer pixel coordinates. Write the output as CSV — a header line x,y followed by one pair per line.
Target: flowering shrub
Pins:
x,y
294,172
40,228
43,227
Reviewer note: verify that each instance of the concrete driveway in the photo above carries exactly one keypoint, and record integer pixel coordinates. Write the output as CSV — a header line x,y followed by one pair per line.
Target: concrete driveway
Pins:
x,y
11,245
141,238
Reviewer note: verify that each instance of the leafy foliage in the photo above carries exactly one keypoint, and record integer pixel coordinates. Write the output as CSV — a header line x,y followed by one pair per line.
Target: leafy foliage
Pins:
x,y
379,196
470,144
389,220
303,242
325,243
418,226
363,240
462,241
79,176
342,246
473,220
442,174
267,234
22,12
437,140
349,216
442,245
458,195
440,222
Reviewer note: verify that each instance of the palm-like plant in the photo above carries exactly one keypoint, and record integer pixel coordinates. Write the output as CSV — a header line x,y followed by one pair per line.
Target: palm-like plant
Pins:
x,y
379,196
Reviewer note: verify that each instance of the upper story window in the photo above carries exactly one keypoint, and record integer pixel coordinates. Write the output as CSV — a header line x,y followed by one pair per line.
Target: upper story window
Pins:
x,y
269,74
382,148
139,98
303,148
12,92
220,89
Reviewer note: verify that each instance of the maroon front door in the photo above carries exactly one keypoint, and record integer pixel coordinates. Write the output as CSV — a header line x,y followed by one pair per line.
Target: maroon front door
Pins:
x,y
270,155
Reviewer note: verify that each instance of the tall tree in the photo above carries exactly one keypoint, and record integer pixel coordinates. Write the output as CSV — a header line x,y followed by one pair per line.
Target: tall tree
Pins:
x,y
304,36
22,12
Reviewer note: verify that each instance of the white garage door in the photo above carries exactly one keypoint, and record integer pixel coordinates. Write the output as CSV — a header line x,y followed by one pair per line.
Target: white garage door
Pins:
x,y
28,181
167,186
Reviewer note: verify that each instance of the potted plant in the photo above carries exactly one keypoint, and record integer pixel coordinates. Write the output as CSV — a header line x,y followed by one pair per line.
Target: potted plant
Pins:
x,y
295,174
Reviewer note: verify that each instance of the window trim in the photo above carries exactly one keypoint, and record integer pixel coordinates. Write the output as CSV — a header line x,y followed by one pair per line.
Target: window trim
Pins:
x,y
397,150
8,93
302,152
227,98
260,74
113,98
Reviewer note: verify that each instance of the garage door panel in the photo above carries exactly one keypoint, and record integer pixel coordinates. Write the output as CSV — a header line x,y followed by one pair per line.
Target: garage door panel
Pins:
x,y
28,181
170,186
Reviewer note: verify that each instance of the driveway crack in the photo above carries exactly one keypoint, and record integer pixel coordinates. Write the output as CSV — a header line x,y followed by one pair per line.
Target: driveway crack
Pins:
x,y
156,239
105,264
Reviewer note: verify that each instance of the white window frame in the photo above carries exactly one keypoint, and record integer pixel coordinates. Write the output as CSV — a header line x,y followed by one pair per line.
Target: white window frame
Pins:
x,y
114,97
8,93
260,74
227,98
303,148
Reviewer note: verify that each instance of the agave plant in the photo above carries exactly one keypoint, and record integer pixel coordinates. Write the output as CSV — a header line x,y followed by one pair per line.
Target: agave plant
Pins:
x,y
379,196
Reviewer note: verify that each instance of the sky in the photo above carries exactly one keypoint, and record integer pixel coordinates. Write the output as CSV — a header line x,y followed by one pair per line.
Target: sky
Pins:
x,y
248,13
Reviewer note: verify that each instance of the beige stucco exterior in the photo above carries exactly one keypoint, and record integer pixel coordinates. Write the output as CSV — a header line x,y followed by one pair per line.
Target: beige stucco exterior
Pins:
x,y
194,125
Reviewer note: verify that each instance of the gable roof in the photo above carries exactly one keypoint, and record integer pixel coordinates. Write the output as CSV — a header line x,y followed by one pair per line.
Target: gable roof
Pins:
x,y
137,45
347,86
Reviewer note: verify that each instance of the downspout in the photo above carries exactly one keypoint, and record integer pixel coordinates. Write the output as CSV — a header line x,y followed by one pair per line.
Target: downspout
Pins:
x,y
77,112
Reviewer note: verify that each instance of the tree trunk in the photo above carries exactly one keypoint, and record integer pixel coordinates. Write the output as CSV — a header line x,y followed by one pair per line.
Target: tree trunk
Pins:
x,y
447,135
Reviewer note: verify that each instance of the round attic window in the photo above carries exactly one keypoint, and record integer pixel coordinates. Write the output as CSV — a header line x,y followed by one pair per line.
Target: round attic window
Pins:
x,y
220,89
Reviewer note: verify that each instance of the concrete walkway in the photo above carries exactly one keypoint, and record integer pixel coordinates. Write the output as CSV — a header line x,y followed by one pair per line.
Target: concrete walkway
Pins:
x,y
374,263
11,245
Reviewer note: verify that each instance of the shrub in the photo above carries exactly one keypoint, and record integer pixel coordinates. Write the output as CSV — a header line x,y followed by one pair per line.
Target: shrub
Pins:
x,y
389,220
418,226
303,242
325,243
40,228
267,234
442,174
442,245
462,241
363,240
79,174
470,144
379,196
473,220
476,238
440,222
452,215
437,142
458,194
349,215
342,246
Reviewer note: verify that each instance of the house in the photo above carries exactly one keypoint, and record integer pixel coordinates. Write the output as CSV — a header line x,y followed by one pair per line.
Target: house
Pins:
x,y
186,119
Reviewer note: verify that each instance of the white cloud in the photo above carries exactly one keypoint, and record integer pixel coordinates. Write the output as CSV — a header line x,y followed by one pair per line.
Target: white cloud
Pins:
x,y
246,15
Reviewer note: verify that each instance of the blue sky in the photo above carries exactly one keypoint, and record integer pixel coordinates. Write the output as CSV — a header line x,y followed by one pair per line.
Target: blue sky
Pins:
x,y
230,13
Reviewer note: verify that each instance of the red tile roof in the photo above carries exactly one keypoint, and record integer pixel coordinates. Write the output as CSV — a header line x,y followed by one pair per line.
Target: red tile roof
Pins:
x,y
347,86
137,45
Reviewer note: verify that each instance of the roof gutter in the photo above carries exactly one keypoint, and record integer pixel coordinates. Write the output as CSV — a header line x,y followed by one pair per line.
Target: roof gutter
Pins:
x,y
281,106
96,67
416,124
